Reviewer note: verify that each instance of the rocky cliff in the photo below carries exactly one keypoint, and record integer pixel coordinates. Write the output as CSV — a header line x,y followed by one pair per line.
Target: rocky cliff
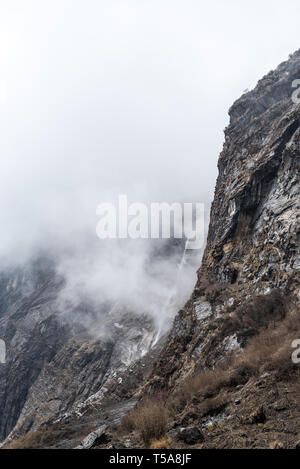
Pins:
x,y
51,368
58,368
224,375
253,240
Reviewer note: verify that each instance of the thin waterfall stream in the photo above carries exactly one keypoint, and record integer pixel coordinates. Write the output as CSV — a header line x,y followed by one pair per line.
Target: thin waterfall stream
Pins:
x,y
171,299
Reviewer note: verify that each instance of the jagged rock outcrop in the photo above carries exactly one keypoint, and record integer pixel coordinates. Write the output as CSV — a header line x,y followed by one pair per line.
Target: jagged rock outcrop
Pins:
x,y
52,368
253,241
57,368
31,331
226,372
82,369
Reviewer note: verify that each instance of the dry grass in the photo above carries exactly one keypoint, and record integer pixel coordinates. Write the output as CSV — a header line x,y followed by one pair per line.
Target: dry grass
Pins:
x,y
163,443
35,440
204,385
205,381
269,350
128,422
261,311
212,406
149,419
47,438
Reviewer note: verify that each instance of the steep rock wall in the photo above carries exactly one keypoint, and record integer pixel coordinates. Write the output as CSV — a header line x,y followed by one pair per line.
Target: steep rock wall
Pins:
x,y
253,240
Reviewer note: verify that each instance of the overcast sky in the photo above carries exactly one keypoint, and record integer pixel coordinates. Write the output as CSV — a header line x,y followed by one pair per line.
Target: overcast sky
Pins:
x,y
101,97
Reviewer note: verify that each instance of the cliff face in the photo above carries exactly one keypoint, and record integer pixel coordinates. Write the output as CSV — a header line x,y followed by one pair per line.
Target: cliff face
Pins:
x,y
52,368
248,282
253,240
31,333
225,376
58,368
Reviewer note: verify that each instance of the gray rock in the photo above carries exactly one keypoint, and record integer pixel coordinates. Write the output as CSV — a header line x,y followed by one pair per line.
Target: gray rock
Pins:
x,y
190,435
203,310
95,438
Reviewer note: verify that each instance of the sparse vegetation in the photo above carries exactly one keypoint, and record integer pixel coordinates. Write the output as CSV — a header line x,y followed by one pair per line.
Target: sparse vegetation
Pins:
x,y
46,438
149,419
163,443
269,350
261,311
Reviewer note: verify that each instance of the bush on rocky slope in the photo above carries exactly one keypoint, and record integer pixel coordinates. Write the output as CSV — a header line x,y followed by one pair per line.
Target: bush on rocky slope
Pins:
x,y
149,418
270,350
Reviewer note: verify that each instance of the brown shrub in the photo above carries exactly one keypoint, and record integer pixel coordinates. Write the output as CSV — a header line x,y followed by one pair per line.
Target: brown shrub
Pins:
x,y
213,291
268,350
261,311
128,422
212,406
240,373
205,383
271,348
149,418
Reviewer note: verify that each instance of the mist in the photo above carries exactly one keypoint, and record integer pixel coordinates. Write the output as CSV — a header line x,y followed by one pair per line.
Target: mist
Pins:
x,y
101,98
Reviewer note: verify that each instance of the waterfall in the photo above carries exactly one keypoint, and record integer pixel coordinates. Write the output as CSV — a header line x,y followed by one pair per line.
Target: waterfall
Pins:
x,y
181,264
172,296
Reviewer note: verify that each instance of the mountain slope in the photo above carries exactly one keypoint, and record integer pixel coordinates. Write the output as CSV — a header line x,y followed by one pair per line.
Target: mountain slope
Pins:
x,y
225,372
225,375
253,240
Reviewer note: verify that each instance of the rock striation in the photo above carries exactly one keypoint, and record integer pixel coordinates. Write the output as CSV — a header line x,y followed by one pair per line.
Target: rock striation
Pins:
x,y
248,278
253,240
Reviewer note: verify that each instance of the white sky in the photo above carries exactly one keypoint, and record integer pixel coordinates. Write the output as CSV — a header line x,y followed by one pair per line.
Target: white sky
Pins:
x,y
101,97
